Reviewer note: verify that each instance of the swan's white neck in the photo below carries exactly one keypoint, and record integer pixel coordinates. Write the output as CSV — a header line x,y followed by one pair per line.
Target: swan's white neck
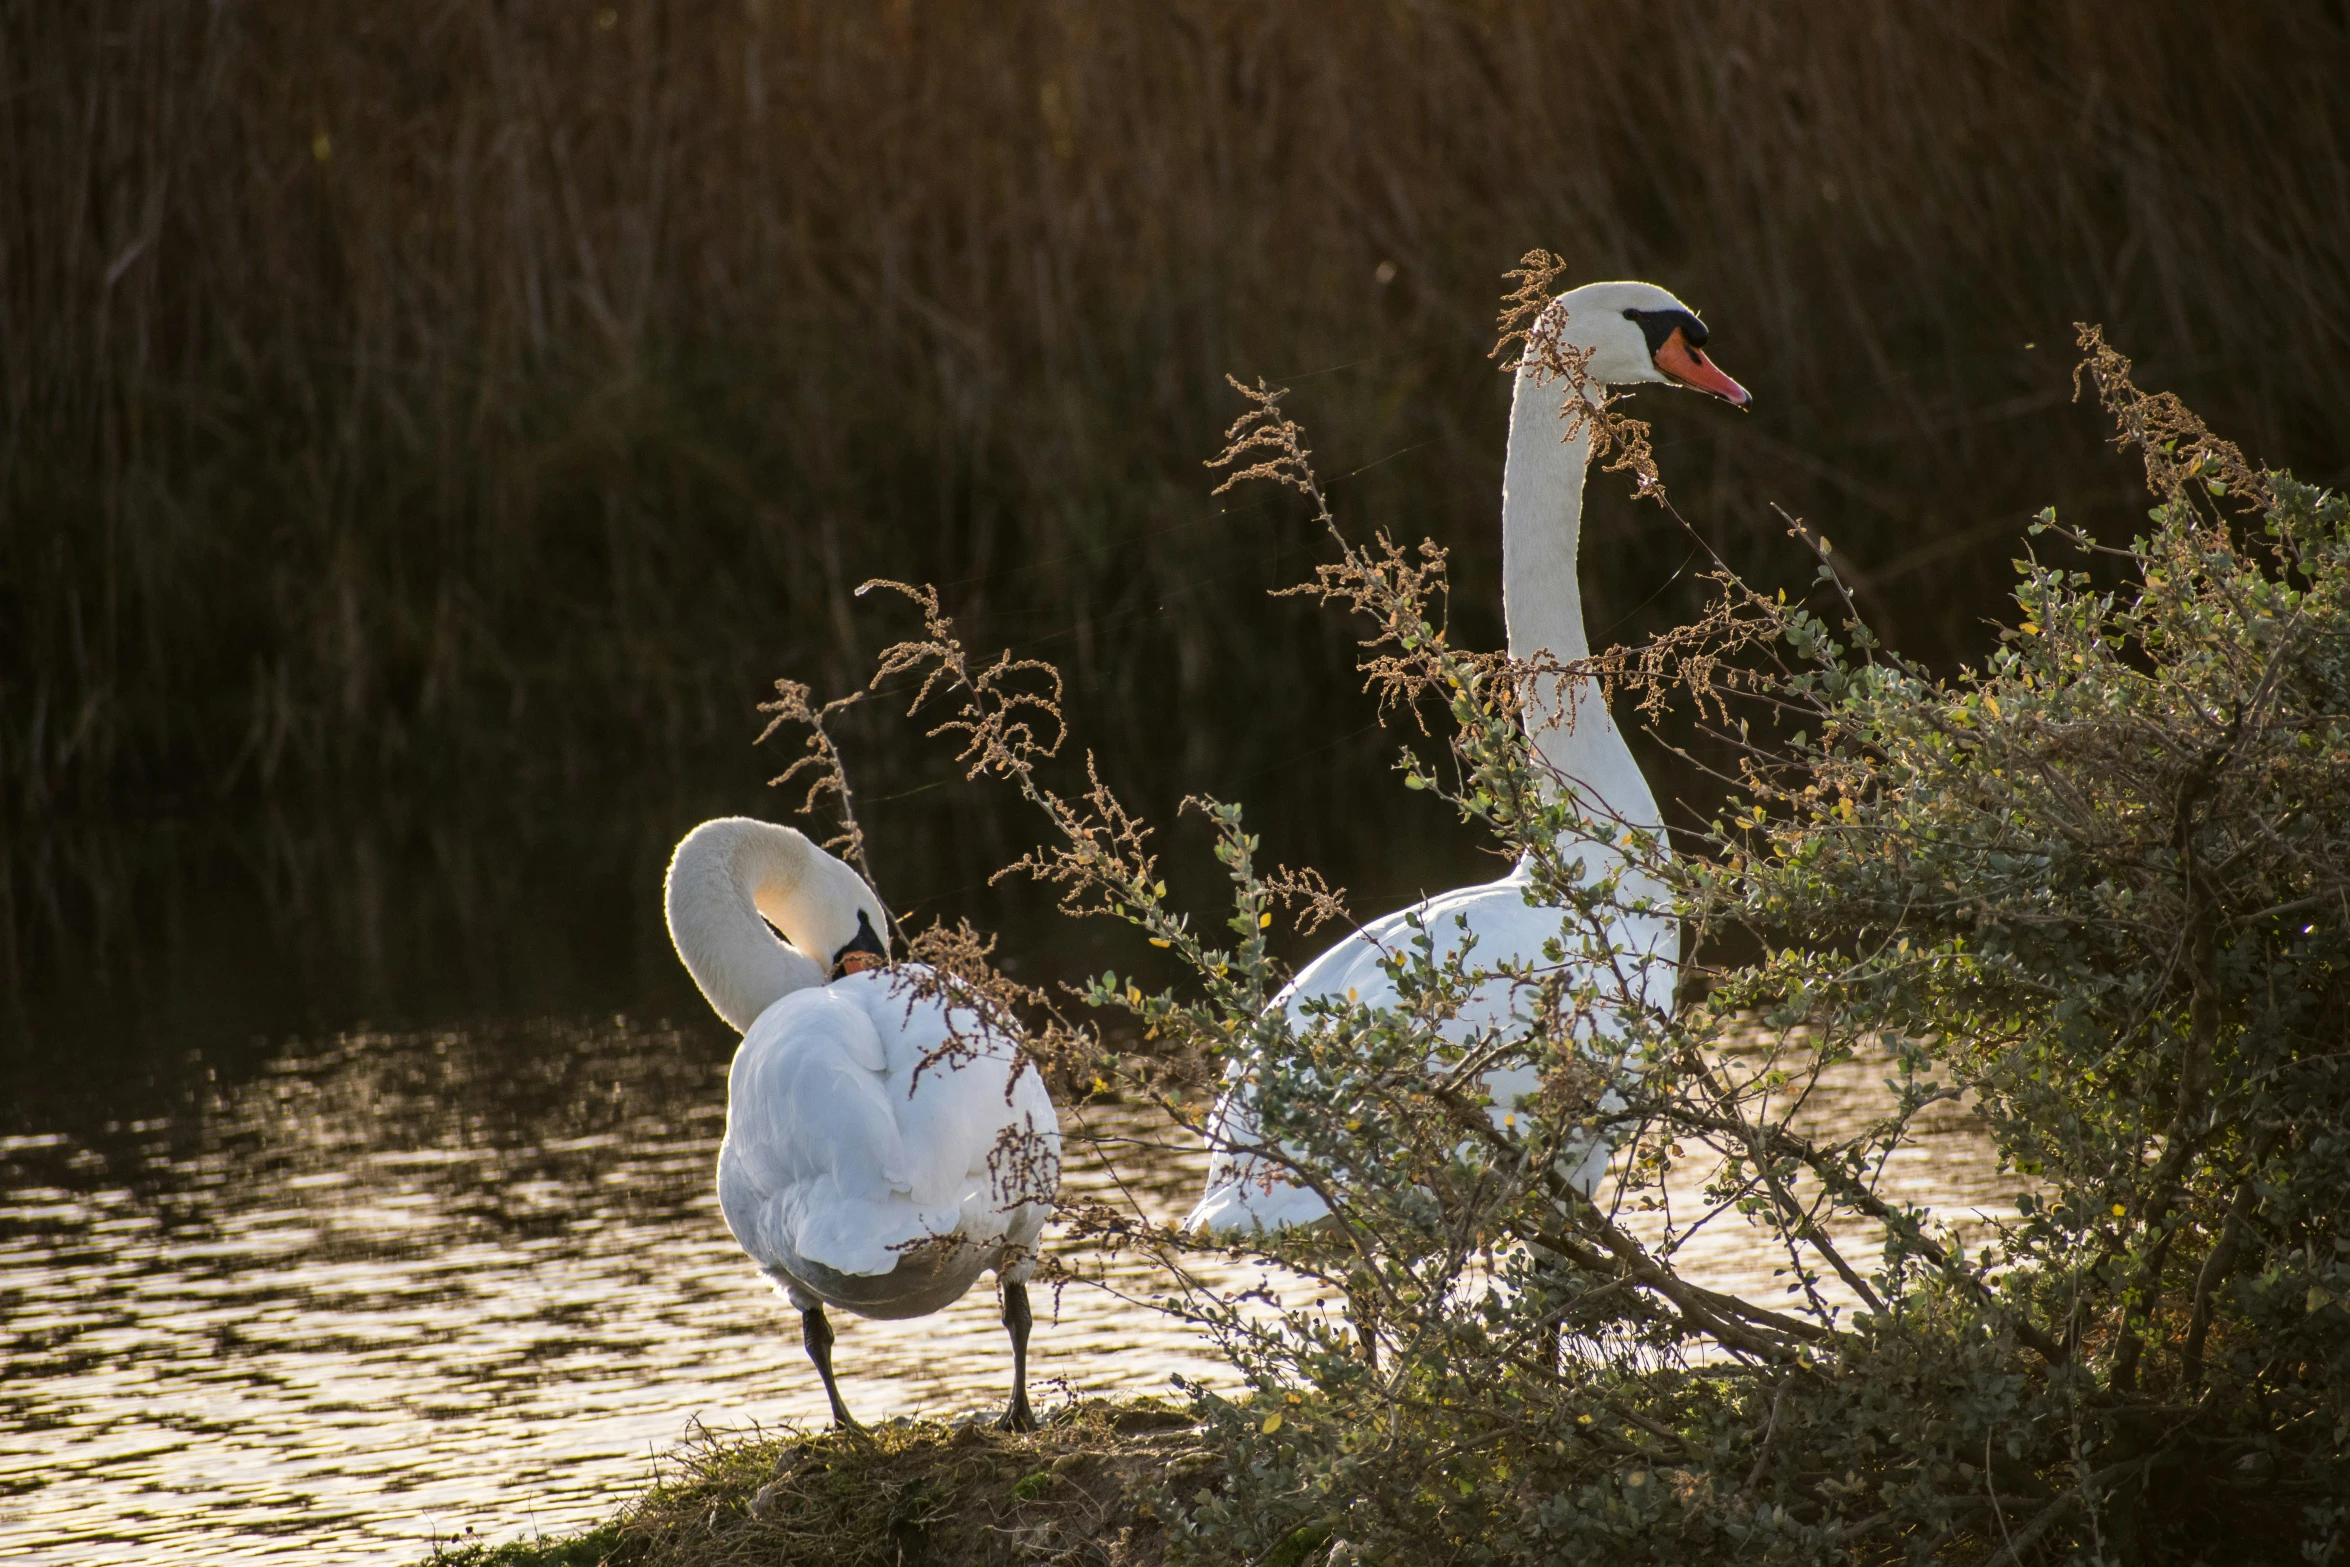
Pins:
x,y
729,873
1542,600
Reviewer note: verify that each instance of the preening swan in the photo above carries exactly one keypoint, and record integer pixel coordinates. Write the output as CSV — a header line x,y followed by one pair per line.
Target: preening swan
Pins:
x,y
1636,333
883,1148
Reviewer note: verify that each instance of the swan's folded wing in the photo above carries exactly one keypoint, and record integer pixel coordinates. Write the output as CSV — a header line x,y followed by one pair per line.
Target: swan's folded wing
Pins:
x,y
1022,1174
814,1165
948,1080
1032,1176
1246,1192
867,1236
804,1097
976,1136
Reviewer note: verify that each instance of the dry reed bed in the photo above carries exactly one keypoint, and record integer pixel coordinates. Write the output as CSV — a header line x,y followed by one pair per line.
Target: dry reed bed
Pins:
x,y
445,393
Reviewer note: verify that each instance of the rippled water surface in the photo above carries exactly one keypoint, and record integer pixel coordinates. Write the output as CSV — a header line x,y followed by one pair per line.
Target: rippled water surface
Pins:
x,y
394,1287
381,1289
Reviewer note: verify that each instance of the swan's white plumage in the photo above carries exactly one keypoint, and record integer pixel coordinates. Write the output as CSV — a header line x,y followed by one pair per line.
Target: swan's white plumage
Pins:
x,y
842,1150
1572,732
883,1147
1246,1192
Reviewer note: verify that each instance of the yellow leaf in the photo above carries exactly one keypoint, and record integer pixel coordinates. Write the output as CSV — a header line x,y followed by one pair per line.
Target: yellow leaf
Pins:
x,y
1265,919
1159,941
1272,1422
2120,1212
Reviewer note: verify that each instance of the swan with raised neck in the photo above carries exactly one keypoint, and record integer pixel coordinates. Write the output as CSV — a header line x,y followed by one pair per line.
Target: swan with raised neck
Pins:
x,y
1624,334
1634,334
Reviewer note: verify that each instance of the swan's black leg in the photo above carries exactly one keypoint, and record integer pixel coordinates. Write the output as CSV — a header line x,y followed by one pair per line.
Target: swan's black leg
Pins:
x,y
816,1335
1019,1417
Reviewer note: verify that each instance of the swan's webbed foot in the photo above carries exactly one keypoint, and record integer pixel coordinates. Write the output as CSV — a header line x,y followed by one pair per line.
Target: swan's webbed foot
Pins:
x,y
816,1337
1019,1417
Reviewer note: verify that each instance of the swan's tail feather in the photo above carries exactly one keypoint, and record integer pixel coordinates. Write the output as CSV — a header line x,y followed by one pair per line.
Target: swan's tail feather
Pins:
x,y
1246,1200
869,1237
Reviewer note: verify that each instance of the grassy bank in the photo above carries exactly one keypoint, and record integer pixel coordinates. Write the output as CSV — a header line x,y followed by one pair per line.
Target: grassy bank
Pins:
x,y
1091,1482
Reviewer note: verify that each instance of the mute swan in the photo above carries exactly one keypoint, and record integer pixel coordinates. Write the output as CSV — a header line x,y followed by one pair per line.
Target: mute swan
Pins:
x,y
867,1165
1637,333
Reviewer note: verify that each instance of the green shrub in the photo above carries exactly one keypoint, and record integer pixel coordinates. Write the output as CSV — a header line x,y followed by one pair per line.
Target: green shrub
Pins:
x,y
2099,887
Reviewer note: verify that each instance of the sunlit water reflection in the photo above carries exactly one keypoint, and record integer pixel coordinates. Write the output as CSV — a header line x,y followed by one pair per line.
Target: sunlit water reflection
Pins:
x,y
394,1287
401,1286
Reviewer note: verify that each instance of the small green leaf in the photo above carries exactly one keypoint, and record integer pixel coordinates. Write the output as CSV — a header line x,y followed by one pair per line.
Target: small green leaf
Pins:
x,y
1297,1545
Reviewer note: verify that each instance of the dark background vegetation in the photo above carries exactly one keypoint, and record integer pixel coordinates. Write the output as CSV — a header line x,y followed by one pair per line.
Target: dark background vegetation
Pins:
x,y
428,428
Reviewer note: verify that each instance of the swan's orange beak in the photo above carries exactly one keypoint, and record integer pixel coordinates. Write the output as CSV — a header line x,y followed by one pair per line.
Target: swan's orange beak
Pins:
x,y
856,961
1691,368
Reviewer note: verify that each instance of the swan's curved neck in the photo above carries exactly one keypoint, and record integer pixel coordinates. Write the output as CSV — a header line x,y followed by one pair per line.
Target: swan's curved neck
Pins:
x,y
1542,523
1542,600
726,875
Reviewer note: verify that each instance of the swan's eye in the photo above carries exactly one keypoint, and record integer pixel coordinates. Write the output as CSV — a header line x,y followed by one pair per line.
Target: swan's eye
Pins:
x,y
1658,326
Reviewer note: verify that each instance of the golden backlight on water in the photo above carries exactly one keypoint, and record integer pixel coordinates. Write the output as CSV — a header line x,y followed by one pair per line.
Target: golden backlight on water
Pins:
x,y
392,1287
